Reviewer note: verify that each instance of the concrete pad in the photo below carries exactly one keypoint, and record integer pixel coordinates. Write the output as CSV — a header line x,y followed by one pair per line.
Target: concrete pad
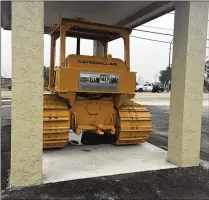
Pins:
x,y
161,99
163,103
77,162
6,94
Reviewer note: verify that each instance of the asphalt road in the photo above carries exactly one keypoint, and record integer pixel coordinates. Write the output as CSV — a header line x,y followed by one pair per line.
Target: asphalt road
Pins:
x,y
159,106
5,113
169,184
160,119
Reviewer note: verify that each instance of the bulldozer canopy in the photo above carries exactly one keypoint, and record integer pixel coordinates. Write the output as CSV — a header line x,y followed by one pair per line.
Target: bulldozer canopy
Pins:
x,y
90,30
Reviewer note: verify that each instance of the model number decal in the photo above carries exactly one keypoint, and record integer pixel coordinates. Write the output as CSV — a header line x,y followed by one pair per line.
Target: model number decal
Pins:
x,y
96,62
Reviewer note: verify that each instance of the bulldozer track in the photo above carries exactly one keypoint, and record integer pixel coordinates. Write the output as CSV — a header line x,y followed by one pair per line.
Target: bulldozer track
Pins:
x,y
56,122
133,125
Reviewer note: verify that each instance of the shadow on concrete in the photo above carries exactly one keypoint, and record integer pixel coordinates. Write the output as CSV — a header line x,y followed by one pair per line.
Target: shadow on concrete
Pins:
x,y
92,138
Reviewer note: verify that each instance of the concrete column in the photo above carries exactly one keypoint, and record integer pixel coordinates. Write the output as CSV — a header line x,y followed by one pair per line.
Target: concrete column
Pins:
x,y
27,93
189,49
98,49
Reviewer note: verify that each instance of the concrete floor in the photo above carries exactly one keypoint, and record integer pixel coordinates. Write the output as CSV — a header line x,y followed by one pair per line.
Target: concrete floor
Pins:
x,y
76,162
6,94
162,99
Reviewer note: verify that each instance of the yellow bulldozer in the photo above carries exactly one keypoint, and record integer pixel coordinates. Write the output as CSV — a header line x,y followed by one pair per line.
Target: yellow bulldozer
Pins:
x,y
92,94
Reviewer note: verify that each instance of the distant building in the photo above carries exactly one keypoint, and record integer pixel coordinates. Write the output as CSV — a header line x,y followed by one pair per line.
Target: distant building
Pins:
x,y
5,82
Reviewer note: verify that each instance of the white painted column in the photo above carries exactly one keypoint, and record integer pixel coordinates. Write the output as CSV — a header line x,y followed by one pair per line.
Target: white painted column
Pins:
x,y
98,49
27,93
189,48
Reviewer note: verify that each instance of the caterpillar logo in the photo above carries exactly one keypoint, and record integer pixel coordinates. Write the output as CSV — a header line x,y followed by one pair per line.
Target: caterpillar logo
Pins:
x,y
96,62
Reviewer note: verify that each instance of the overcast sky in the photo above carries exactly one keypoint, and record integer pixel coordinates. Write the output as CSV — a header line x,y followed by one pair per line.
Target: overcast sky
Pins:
x,y
147,57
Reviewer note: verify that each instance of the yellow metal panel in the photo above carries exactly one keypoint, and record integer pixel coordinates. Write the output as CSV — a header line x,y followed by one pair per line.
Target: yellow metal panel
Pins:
x,y
93,113
68,80
95,62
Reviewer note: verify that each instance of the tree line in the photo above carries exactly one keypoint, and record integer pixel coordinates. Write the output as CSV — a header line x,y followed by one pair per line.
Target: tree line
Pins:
x,y
46,73
165,75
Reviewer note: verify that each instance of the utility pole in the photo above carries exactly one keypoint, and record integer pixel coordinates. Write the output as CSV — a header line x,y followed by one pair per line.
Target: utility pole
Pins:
x,y
155,77
169,63
78,46
169,58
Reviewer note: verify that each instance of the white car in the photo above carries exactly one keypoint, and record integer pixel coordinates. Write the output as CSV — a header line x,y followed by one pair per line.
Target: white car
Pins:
x,y
139,88
147,87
